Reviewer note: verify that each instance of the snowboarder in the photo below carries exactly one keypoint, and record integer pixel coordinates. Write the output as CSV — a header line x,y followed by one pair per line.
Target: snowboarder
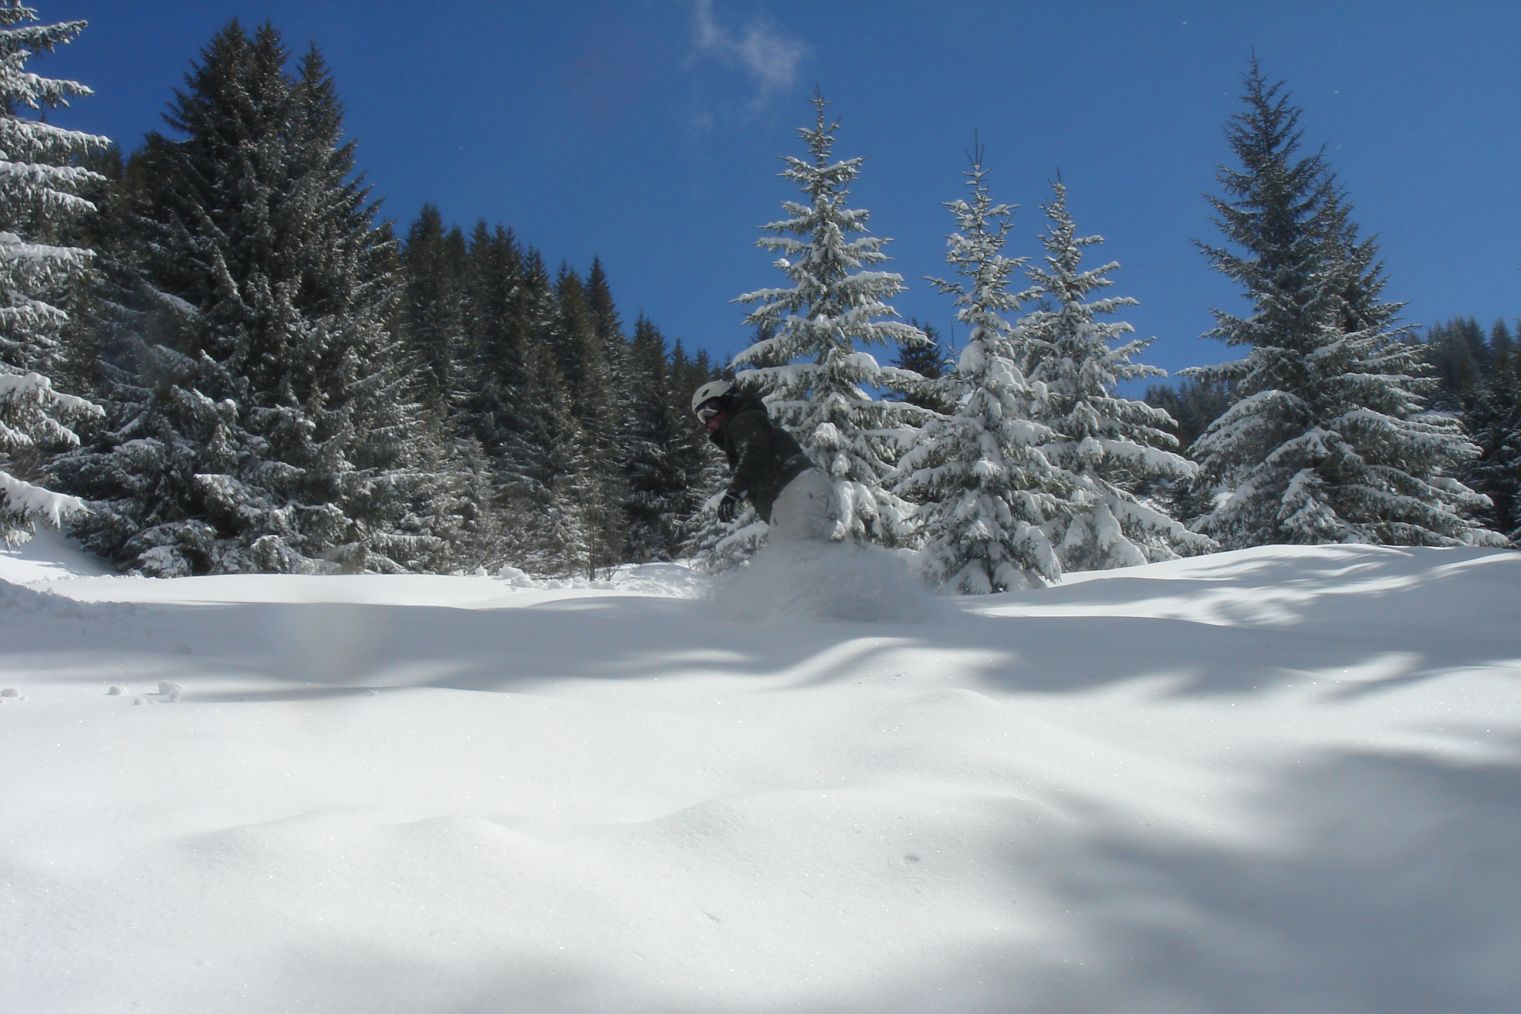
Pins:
x,y
793,497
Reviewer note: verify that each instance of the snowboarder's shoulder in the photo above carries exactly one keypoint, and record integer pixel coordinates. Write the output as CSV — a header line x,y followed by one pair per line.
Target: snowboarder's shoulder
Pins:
x,y
749,417
746,404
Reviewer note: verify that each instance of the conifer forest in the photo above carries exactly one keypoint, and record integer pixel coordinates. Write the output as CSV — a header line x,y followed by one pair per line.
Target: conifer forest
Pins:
x,y
216,356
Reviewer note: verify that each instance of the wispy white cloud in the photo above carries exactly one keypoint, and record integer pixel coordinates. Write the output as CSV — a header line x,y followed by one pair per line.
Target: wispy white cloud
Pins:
x,y
763,50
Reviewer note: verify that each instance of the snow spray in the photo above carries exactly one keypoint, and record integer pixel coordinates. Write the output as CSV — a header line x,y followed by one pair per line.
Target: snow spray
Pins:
x,y
825,581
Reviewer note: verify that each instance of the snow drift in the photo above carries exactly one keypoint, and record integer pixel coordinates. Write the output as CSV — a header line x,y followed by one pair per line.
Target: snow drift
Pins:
x,y
1274,780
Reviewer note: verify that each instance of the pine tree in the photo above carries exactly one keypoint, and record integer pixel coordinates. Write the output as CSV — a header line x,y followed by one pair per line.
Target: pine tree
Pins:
x,y
361,475
496,338
275,434
496,334
138,472
1107,444
990,493
1192,404
40,185
1494,420
552,499
608,328
597,402
1503,347
530,324
930,361
434,265
1458,361
659,479
1327,439
810,365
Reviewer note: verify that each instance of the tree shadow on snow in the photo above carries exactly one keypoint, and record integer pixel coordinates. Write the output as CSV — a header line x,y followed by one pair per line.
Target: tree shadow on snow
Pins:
x,y
1398,615
1236,624
1357,881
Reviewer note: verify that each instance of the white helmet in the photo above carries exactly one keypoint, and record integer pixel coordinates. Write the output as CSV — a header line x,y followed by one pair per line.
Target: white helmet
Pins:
x,y
712,389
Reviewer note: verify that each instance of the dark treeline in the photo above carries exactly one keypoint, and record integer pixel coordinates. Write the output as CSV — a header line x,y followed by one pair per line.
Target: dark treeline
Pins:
x,y
1478,377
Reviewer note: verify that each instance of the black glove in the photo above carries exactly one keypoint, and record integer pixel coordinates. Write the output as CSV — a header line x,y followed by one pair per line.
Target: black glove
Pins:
x,y
727,507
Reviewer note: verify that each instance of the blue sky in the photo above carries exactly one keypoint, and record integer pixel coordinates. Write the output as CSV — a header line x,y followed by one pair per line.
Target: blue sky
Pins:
x,y
649,132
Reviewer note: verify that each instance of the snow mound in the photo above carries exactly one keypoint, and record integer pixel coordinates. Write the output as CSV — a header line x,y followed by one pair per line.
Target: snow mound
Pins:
x,y
670,580
831,582
48,555
673,580
29,600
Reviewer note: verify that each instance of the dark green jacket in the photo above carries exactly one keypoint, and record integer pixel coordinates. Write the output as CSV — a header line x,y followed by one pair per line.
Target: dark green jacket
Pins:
x,y
764,456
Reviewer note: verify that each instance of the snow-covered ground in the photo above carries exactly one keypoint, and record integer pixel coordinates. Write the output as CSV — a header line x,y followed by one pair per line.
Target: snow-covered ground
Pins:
x,y
1267,781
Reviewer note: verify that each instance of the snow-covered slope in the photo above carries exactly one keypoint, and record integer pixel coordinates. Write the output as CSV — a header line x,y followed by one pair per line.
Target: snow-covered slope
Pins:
x,y
1276,780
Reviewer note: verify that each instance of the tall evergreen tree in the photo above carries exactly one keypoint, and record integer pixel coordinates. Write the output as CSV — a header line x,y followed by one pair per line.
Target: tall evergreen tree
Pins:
x,y
276,434
810,364
1493,417
553,497
598,403
930,361
1191,403
40,185
990,493
530,322
1503,347
497,333
608,327
496,338
660,478
434,314
1326,440
1458,362
1107,444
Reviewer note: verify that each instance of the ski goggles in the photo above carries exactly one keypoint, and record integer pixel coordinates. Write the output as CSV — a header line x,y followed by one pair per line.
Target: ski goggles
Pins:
x,y
707,410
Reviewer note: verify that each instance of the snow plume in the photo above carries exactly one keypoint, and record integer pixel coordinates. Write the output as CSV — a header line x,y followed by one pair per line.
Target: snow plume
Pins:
x,y
825,581
767,55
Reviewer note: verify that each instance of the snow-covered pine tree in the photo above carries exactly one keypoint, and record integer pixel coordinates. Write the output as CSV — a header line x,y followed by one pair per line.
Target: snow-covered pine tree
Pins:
x,y
454,319
598,401
1192,403
989,491
1327,439
659,481
363,477
608,328
1494,420
931,362
40,184
553,500
138,473
520,425
495,335
1457,359
434,312
1108,445
275,434
810,365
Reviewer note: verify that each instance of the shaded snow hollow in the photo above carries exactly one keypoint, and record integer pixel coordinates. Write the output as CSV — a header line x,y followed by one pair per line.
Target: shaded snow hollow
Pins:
x,y
1270,781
